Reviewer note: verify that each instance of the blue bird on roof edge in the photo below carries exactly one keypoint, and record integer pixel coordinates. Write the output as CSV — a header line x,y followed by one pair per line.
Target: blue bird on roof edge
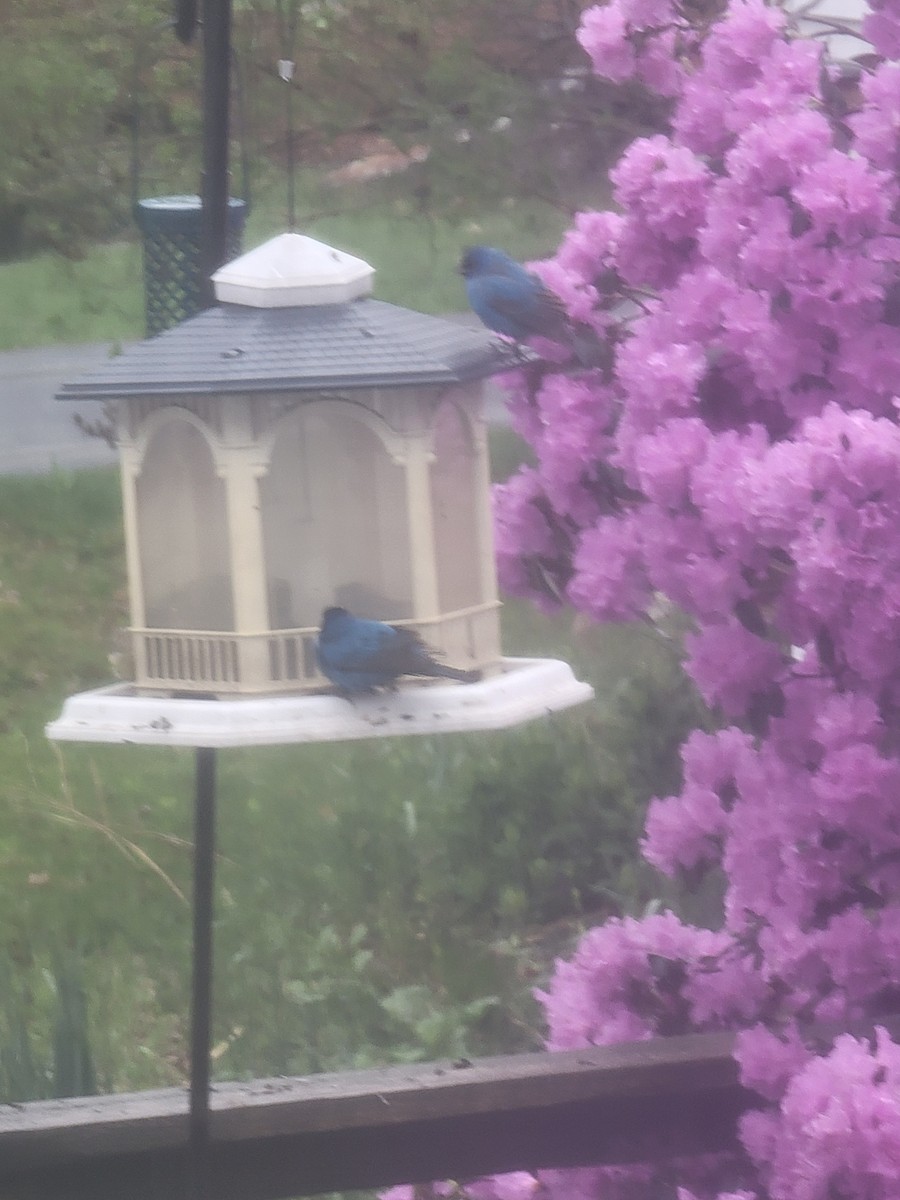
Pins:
x,y
515,302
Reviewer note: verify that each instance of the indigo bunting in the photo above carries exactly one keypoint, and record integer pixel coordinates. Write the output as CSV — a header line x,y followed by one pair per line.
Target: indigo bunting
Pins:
x,y
515,302
358,655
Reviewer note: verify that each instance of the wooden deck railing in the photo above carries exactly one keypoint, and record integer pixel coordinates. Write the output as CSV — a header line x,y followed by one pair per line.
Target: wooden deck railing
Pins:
x,y
290,1137
286,1137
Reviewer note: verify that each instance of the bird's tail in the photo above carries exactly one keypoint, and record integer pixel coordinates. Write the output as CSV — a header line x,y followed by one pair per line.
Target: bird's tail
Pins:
x,y
445,672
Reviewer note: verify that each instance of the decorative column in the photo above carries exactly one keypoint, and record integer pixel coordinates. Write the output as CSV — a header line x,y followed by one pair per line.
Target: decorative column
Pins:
x,y
417,458
242,466
130,470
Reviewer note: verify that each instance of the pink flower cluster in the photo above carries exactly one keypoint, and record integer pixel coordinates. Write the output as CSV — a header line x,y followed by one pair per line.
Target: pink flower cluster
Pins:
x,y
740,454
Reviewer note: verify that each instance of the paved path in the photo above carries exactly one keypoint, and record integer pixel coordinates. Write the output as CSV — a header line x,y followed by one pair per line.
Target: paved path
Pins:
x,y
37,433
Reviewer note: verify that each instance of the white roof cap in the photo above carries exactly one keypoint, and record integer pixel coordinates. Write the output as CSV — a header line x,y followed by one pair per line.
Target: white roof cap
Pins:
x,y
293,270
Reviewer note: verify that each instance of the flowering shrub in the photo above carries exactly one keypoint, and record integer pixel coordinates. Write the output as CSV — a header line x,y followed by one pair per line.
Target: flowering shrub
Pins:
x,y
739,453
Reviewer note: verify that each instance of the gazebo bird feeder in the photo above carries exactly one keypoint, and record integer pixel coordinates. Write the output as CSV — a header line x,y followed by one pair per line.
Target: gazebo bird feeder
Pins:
x,y
299,445
296,446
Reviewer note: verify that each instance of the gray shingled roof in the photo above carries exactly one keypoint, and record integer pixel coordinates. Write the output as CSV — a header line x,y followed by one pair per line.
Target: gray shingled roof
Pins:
x,y
236,348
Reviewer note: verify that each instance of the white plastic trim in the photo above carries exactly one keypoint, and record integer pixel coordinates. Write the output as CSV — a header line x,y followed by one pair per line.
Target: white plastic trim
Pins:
x,y
527,688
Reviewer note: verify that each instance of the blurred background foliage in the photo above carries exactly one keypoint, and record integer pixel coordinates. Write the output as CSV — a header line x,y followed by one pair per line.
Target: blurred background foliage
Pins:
x,y
490,99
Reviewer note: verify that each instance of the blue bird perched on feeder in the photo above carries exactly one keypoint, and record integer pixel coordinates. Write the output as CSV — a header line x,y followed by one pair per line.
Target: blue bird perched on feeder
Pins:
x,y
515,302
359,655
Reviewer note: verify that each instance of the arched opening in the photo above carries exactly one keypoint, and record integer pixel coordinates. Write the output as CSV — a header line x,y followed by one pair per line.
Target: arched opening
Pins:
x,y
334,519
182,532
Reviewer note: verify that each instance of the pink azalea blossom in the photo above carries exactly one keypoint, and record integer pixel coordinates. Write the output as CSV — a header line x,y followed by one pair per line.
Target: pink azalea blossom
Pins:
x,y
739,454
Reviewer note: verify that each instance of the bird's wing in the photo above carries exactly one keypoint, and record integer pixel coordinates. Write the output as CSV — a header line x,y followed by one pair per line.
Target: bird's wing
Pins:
x,y
363,645
511,297
398,654
533,306
543,295
353,642
549,300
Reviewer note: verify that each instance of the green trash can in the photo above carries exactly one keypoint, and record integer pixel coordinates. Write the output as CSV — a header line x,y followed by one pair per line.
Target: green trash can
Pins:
x,y
171,227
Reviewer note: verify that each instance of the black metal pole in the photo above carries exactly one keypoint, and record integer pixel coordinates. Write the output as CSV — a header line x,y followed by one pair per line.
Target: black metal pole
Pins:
x,y
216,96
289,134
201,990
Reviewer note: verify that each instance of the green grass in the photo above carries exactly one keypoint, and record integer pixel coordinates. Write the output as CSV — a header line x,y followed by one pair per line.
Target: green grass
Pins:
x,y
377,901
49,299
